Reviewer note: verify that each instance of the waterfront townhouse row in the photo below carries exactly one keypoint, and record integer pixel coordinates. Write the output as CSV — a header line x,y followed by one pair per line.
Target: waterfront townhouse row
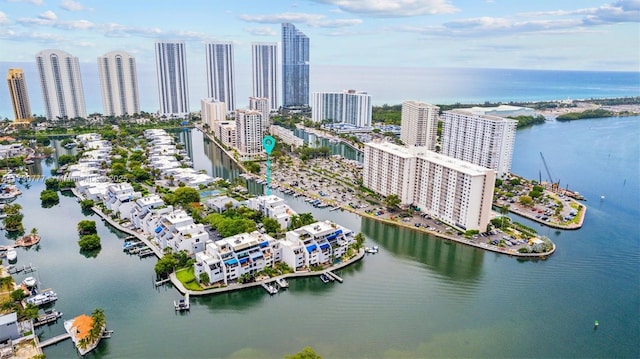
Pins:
x,y
457,192
163,156
228,259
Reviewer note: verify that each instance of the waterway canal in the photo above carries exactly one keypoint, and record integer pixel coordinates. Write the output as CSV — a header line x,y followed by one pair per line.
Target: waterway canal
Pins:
x,y
419,297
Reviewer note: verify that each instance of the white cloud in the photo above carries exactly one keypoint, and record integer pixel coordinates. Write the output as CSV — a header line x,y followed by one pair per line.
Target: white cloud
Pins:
x,y
617,12
71,5
393,8
313,20
261,31
34,2
48,15
4,19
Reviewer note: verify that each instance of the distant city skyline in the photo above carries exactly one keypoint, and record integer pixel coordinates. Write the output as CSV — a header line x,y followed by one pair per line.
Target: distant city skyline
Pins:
x,y
545,34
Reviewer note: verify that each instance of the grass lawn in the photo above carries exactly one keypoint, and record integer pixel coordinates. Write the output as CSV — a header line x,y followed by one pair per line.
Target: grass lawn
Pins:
x,y
188,279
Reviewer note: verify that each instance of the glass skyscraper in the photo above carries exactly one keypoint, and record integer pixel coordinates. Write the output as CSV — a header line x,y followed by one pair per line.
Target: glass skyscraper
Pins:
x,y
295,67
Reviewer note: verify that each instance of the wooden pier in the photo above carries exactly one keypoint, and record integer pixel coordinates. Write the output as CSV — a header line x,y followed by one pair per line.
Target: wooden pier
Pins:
x,y
161,282
145,253
54,340
334,276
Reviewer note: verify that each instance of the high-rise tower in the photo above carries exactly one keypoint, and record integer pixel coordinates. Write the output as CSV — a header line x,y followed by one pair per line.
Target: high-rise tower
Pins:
x,y
119,84
19,95
295,67
221,82
173,89
419,124
264,59
61,84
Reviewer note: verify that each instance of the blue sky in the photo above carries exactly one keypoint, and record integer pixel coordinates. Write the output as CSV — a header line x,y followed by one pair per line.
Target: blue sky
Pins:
x,y
540,34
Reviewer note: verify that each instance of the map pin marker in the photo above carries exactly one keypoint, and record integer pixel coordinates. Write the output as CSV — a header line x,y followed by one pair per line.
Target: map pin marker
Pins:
x,y
268,143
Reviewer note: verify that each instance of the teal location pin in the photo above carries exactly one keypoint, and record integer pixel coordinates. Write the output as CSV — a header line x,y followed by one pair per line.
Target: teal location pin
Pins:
x,y
268,143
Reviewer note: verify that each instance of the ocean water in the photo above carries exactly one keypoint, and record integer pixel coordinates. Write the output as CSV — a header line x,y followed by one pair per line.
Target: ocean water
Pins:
x,y
386,85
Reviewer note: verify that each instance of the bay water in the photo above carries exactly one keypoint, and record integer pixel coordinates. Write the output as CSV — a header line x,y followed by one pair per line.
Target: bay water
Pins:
x,y
419,297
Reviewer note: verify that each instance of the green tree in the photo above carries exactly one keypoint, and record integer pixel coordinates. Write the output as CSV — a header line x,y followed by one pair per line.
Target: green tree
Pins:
x,y
66,159
87,227
30,311
89,242
526,200
185,196
359,240
86,204
271,225
305,353
52,183
49,198
391,201
165,265
204,278
17,295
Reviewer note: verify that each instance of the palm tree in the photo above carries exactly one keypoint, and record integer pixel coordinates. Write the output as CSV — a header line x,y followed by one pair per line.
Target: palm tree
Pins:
x,y
34,231
504,210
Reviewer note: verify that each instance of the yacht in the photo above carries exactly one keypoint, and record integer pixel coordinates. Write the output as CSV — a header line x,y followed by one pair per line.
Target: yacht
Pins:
x,y
43,298
29,282
12,255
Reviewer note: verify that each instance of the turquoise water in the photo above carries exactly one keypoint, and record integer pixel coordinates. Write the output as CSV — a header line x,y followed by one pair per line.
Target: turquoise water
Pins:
x,y
419,297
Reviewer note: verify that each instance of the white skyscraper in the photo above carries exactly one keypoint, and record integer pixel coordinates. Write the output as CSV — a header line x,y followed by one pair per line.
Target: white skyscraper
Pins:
x,y
173,88
249,132
119,83
454,191
264,59
61,84
261,104
221,82
349,106
480,139
419,124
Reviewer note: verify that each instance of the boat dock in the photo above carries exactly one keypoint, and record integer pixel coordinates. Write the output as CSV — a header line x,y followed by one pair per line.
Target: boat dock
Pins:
x,y
182,304
22,269
161,282
270,288
333,276
54,340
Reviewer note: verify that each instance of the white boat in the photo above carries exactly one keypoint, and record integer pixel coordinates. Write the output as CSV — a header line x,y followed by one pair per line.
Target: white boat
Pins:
x,y
45,297
372,250
12,255
282,283
29,282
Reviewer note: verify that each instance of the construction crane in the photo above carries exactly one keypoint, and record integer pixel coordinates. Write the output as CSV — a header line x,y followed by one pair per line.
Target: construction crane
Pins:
x,y
554,185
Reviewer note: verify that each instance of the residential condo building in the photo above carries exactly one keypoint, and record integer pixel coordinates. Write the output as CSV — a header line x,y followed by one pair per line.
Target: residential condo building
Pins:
x,y
457,192
419,124
349,106
261,104
173,88
480,139
19,96
221,82
295,67
264,65
119,84
249,132
61,85
212,111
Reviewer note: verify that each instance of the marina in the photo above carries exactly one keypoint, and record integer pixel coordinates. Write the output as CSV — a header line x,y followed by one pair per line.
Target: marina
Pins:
x,y
270,288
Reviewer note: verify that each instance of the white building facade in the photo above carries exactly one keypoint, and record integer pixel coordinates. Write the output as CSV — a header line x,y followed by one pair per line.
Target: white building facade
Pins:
x,y
455,191
419,124
261,104
480,139
212,110
173,88
349,106
221,82
249,132
61,85
264,65
119,84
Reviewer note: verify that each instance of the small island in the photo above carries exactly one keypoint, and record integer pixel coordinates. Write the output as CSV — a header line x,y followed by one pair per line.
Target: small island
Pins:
x,y
87,331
